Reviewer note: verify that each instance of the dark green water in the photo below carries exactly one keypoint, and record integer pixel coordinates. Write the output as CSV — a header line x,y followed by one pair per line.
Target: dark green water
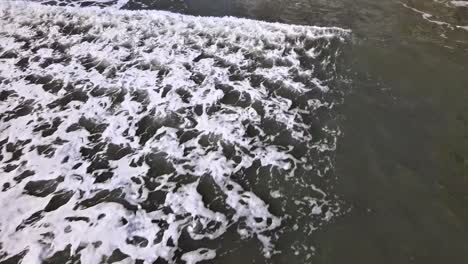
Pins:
x,y
402,164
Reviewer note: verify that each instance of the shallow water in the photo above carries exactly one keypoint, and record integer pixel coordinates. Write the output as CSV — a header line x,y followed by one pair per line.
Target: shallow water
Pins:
x,y
398,187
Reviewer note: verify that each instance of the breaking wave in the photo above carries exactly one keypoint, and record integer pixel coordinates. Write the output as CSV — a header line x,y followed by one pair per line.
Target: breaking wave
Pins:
x,y
151,136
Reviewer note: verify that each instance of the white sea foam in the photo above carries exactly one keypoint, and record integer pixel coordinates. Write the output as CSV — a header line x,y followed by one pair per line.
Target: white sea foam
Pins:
x,y
115,4
459,3
117,127
433,19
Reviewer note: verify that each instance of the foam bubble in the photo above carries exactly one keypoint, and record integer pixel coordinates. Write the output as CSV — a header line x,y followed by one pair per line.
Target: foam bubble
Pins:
x,y
140,135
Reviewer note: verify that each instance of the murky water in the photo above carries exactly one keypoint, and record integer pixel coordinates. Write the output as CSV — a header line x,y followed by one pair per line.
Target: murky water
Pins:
x,y
397,190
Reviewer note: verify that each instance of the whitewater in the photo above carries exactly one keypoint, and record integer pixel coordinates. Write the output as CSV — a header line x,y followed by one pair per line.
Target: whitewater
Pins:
x,y
154,136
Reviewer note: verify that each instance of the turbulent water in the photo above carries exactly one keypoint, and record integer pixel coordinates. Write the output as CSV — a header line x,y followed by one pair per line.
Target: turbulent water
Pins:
x,y
151,136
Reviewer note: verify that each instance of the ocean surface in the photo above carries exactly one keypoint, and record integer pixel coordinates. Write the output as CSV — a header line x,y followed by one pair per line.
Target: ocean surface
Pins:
x,y
233,131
